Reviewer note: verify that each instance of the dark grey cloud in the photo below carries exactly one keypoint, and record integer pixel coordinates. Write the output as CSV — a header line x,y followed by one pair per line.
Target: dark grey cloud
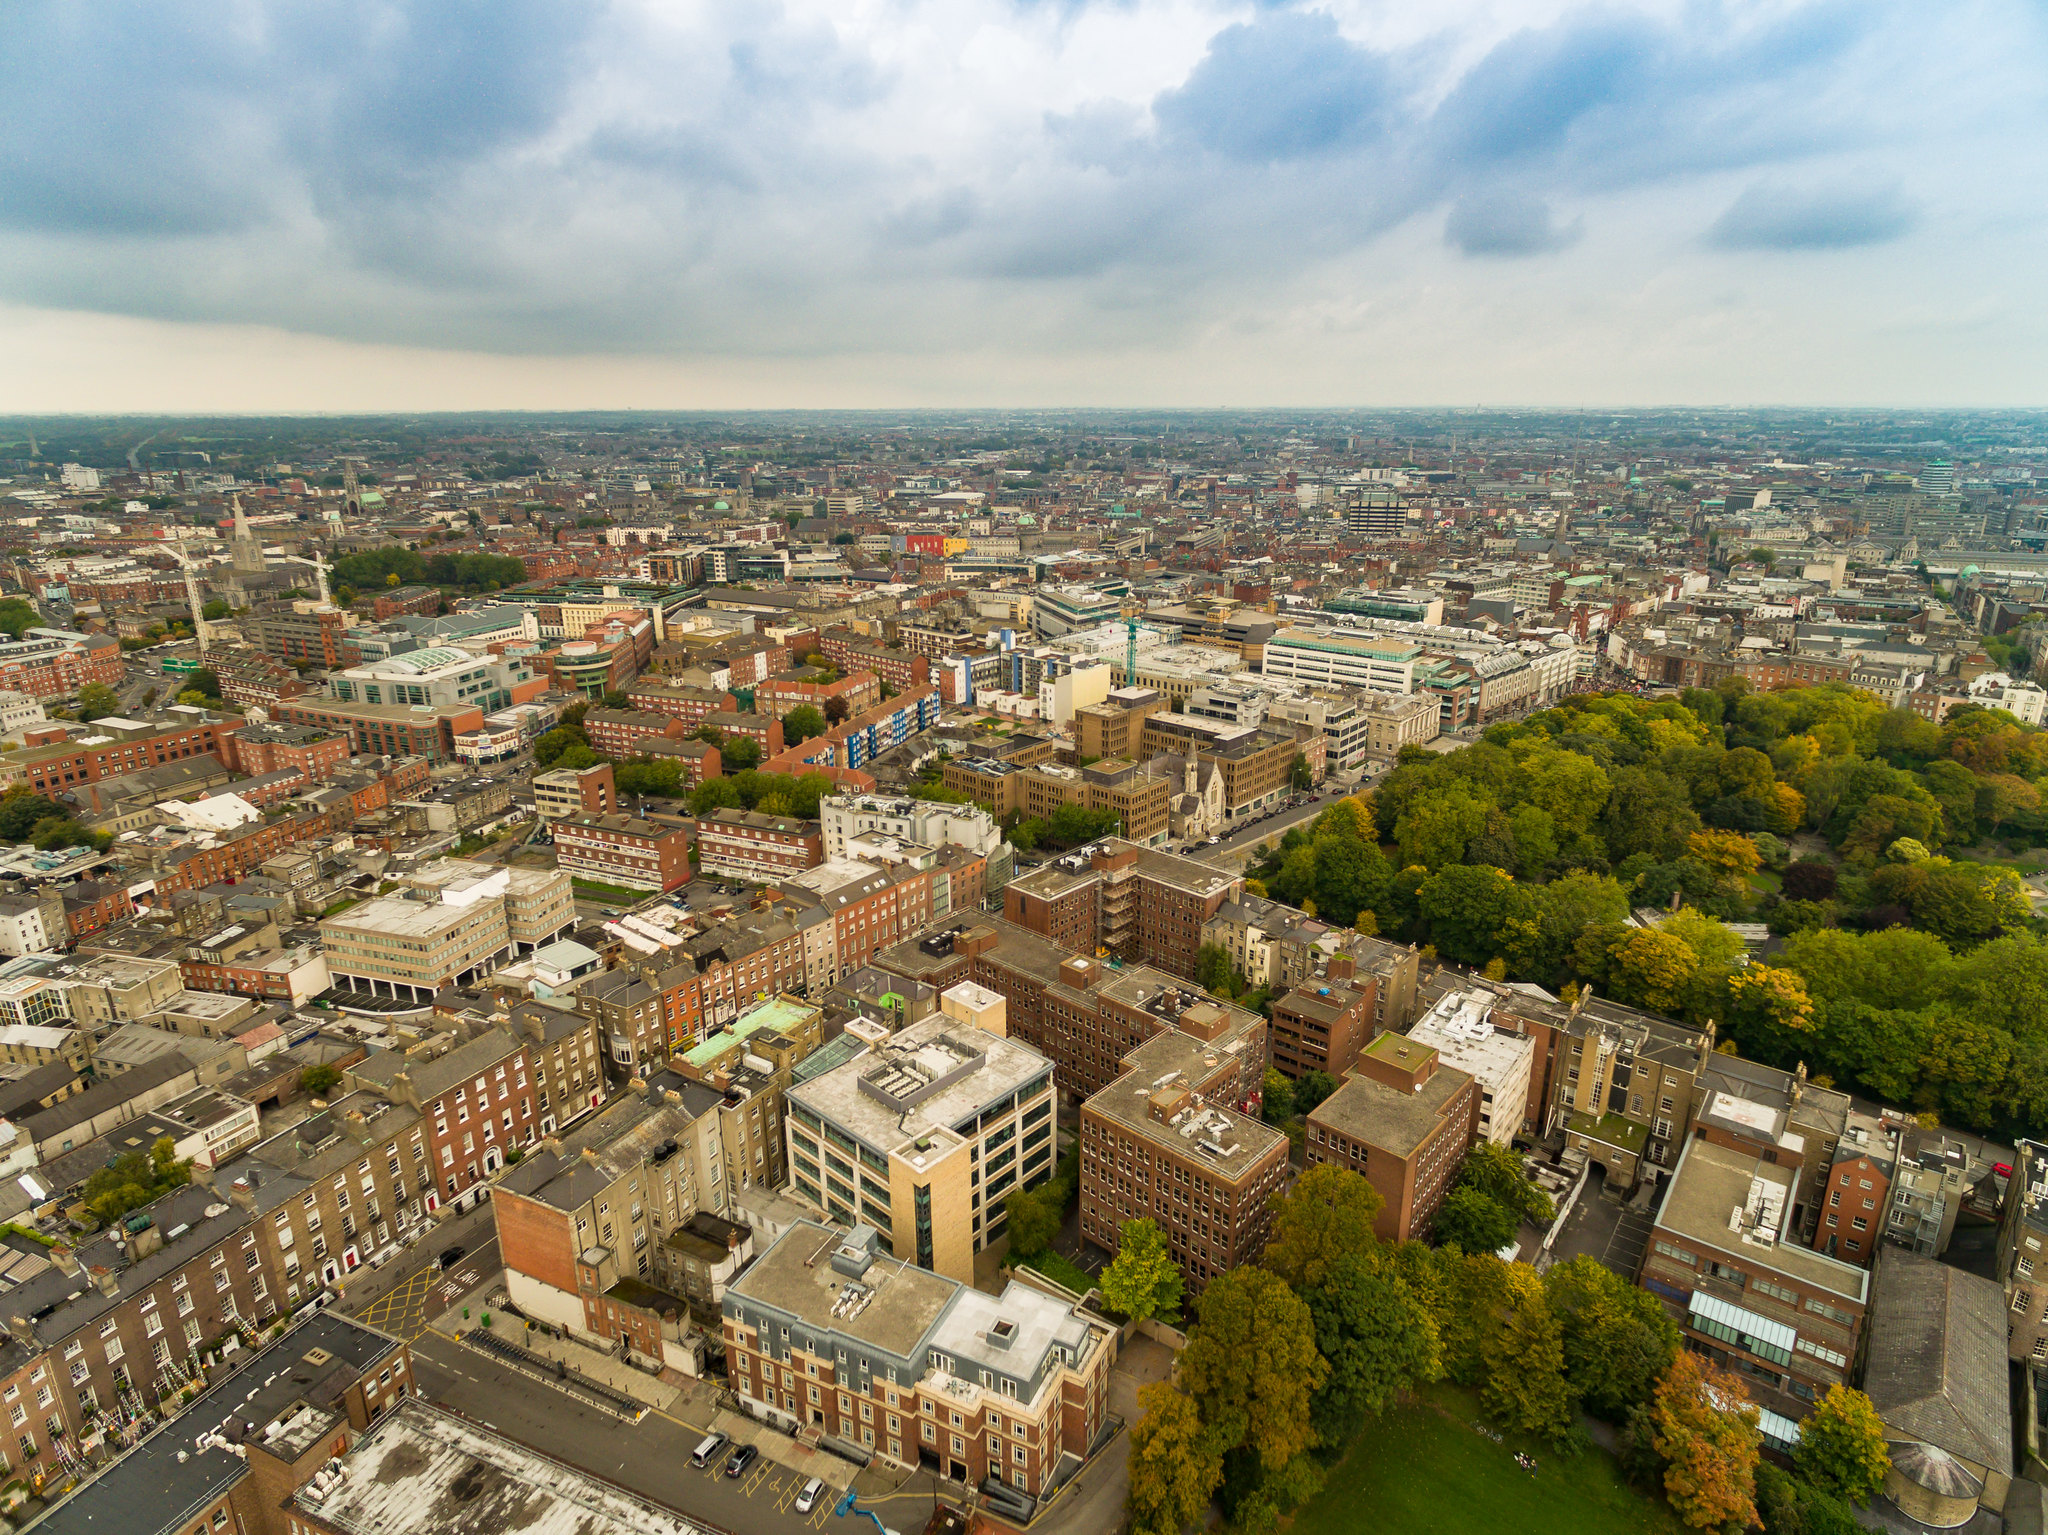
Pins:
x,y
1283,85
1775,217
542,175
1507,223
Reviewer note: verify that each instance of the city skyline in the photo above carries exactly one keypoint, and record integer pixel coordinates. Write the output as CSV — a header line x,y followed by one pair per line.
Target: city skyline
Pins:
x,y
1154,203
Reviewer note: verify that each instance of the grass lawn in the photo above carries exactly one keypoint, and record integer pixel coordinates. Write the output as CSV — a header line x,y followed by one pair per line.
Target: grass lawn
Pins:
x,y
602,892
1766,879
1060,1271
1425,1470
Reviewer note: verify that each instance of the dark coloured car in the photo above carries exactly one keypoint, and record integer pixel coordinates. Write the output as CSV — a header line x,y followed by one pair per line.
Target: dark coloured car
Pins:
x,y
450,1256
742,1458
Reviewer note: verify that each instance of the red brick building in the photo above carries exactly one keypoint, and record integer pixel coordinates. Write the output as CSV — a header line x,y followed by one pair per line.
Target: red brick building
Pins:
x,y
742,844
236,854
57,767
56,663
763,730
423,601
623,850
625,732
851,652
317,753
785,691
690,705
1323,1024
91,905
251,678
700,759
1852,1206
1404,1121
319,635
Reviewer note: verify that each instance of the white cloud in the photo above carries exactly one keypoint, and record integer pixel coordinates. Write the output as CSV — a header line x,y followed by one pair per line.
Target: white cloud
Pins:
x,y
1043,198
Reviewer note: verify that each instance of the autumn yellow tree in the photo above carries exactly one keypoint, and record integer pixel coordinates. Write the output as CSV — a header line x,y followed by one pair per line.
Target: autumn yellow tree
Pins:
x,y
1767,995
1728,853
1650,969
1842,1445
1705,1429
1174,1463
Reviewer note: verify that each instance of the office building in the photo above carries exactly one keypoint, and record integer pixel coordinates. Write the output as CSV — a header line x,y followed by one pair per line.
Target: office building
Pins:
x,y
924,1136
827,1334
1322,1026
452,927
1162,1142
441,675
1346,658
1081,1014
1114,727
1142,905
1404,1122
1458,1027
1725,1259
575,791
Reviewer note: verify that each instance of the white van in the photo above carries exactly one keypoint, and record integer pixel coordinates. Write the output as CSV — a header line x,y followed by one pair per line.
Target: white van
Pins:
x,y
708,1450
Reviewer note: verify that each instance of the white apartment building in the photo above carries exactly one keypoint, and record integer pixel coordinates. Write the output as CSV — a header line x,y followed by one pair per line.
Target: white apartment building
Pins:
x,y
1456,1028
846,816
1336,658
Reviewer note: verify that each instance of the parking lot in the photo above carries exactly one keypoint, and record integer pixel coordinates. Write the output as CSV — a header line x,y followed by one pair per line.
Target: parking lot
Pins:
x,y
652,1457
1616,1235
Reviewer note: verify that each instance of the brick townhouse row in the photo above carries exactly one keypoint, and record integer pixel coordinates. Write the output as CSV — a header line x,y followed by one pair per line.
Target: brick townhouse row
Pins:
x,y
58,668
52,765
852,652
98,1334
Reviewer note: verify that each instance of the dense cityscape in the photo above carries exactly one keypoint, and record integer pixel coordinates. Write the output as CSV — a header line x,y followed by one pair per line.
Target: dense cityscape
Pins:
x,y
1024,971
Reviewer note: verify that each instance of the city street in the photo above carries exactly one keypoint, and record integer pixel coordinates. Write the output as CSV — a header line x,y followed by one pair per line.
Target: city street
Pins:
x,y
410,1291
651,1457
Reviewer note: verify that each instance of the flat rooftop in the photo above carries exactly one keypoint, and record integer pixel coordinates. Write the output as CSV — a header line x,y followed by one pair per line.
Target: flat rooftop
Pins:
x,y
936,1073
796,1278
1230,1143
1387,1118
1715,1184
422,1471
778,1015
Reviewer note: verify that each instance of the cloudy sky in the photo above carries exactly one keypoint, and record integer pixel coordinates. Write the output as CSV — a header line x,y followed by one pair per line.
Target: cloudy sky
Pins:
x,y
247,205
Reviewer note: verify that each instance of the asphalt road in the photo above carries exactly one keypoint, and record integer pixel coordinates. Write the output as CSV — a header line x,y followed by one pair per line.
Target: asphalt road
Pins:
x,y
651,1457
1244,845
410,1291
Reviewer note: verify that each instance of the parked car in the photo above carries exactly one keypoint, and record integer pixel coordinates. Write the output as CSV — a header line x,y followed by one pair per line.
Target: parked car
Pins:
x,y
742,1458
808,1498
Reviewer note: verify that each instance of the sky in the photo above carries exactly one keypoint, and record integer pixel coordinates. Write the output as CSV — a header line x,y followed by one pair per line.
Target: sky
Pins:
x,y
241,205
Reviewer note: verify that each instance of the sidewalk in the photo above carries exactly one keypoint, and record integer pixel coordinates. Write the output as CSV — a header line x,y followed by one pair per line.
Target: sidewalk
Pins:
x,y
591,1363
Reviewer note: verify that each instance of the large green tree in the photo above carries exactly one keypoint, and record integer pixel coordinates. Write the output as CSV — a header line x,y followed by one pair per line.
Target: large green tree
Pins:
x,y
1618,1341
1174,1463
1378,1338
1328,1213
1252,1367
1143,1281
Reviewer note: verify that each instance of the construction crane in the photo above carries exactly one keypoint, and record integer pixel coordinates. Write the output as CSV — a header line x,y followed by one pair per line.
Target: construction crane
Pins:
x,y
192,595
850,1504
319,565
